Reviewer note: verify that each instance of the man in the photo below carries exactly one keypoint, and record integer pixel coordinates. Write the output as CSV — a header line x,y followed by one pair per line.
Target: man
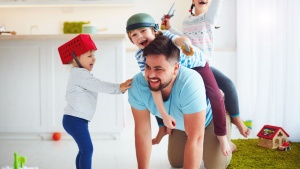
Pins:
x,y
184,98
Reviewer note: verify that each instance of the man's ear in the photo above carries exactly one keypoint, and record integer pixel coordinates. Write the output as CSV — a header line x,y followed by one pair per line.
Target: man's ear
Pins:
x,y
176,68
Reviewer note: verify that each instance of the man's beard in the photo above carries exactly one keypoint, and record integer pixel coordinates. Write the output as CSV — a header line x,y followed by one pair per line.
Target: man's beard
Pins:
x,y
161,85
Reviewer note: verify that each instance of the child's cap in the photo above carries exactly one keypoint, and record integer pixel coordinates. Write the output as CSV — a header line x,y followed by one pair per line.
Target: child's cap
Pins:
x,y
141,20
79,45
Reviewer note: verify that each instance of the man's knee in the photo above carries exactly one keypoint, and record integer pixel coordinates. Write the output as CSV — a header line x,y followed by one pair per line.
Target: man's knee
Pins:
x,y
175,157
176,147
176,164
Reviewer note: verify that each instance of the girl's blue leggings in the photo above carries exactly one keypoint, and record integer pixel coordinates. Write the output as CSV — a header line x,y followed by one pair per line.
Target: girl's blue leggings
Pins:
x,y
78,128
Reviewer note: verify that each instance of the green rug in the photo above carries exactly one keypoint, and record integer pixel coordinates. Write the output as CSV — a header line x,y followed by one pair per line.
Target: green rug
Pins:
x,y
249,155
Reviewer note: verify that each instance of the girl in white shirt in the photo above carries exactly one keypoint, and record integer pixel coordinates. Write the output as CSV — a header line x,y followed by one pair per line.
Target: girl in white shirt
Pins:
x,y
199,28
82,92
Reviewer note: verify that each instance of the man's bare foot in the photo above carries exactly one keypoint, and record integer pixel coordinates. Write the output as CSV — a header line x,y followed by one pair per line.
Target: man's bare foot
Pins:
x,y
244,130
163,130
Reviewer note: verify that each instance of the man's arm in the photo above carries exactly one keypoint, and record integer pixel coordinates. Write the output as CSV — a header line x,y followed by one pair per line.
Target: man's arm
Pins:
x,y
194,127
143,140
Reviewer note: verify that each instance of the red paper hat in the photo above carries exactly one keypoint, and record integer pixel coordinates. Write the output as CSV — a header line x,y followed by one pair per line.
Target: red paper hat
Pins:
x,y
79,45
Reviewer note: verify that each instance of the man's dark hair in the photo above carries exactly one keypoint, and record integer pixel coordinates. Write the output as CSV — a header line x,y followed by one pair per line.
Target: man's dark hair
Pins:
x,y
162,45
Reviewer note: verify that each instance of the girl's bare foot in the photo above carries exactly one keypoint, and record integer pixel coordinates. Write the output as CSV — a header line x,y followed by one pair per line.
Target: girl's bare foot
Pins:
x,y
244,130
225,145
233,147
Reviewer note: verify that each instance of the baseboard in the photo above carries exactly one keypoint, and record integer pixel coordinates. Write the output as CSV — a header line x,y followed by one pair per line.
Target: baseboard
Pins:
x,y
48,136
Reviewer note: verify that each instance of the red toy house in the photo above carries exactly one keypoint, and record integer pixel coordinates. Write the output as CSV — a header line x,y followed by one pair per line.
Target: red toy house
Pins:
x,y
272,136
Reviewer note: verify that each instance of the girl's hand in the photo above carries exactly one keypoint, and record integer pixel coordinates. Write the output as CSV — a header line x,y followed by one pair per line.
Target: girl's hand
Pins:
x,y
126,85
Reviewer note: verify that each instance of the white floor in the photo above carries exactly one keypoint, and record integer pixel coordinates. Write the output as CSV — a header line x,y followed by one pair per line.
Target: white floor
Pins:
x,y
108,154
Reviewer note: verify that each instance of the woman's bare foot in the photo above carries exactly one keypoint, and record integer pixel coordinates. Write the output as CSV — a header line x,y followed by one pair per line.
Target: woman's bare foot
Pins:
x,y
244,130
163,130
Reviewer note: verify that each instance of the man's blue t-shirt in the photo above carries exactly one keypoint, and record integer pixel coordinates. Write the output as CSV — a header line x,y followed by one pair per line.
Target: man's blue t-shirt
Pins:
x,y
187,96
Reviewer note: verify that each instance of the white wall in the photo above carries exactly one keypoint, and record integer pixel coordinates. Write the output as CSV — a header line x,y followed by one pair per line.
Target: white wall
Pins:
x,y
49,20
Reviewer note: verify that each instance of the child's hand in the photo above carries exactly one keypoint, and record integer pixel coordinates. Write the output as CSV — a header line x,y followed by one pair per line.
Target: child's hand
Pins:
x,y
163,130
185,44
225,146
187,49
169,121
166,23
126,85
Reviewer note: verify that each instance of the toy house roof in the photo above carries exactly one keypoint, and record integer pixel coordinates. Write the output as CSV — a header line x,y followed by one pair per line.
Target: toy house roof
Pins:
x,y
269,132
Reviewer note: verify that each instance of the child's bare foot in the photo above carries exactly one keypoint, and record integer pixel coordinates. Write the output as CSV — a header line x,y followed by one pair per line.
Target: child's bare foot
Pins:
x,y
233,147
244,130
225,146
163,130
